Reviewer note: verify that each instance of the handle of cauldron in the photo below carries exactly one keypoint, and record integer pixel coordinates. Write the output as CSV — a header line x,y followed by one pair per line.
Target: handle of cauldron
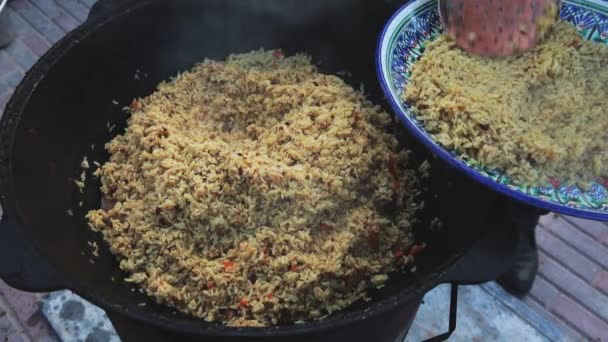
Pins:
x,y
21,266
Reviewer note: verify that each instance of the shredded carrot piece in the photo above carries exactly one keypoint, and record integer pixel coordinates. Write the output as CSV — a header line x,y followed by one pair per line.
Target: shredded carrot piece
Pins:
x,y
135,105
372,237
392,166
324,226
228,264
416,249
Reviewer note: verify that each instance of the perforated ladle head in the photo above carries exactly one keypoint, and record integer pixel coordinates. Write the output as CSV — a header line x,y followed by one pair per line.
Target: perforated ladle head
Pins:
x,y
498,27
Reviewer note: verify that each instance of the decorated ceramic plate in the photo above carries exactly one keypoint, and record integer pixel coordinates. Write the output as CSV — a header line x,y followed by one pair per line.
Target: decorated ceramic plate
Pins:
x,y
404,40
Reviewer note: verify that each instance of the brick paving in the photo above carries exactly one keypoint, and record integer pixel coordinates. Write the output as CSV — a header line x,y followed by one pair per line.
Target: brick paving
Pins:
x,y
571,289
38,24
572,285
21,318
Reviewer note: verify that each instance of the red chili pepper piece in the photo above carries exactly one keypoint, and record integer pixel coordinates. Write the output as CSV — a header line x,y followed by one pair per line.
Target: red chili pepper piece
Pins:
x,y
555,182
416,249
210,285
397,185
372,237
278,54
392,166
135,105
244,303
324,226
228,264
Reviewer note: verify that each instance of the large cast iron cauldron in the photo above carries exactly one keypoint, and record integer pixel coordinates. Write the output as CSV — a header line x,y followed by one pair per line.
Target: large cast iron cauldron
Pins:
x,y
61,109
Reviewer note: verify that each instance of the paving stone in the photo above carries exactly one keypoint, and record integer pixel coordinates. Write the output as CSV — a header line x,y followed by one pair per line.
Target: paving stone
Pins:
x,y
537,319
480,318
604,239
17,22
50,8
575,287
66,21
568,256
583,242
601,282
580,318
75,8
88,3
23,303
75,319
3,100
26,308
543,292
13,78
4,87
21,54
37,19
569,333
57,14
17,338
36,43
7,64
8,329
593,228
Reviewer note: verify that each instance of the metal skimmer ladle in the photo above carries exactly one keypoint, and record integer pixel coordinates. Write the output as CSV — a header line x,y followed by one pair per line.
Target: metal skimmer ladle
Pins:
x,y
497,27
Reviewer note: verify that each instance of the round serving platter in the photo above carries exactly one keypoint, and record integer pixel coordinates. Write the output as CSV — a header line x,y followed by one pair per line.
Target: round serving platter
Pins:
x,y
404,40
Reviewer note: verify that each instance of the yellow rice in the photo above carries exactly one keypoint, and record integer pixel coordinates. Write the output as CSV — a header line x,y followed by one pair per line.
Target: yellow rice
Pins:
x,y
534,116
256,191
